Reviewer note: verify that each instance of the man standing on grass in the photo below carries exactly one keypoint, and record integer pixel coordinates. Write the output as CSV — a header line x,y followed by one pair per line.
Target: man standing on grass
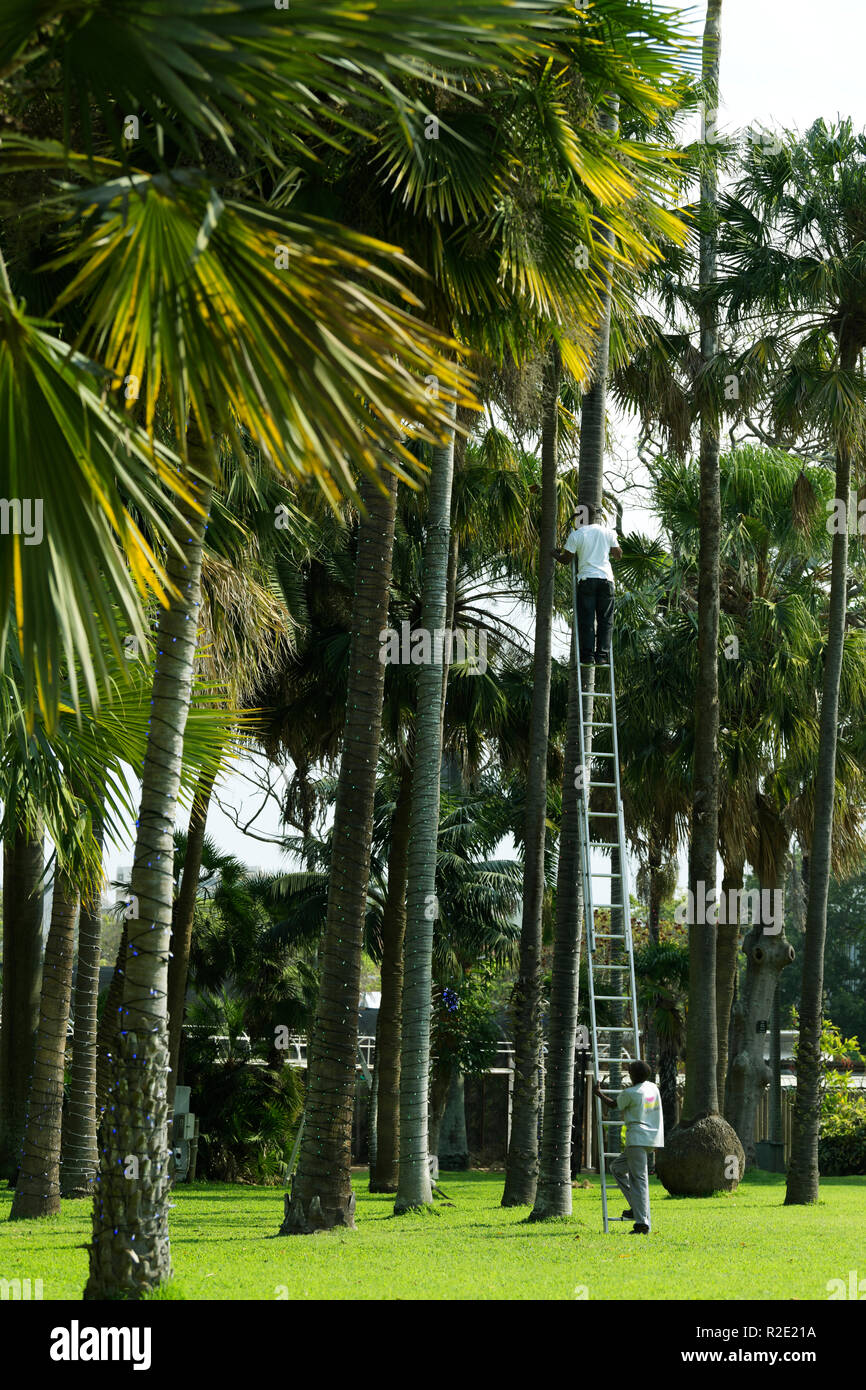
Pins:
x,y
592,545
640,1105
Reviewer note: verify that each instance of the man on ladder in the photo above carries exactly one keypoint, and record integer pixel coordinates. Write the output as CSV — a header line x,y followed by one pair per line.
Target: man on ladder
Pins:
x,y
640,1105
592,545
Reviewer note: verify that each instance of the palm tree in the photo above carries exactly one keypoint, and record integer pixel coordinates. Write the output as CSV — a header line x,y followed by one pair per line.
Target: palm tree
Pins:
x,y
811,194
322,1191
384,1169
701,1098
413,1185
522,1164
37,1189
246,635
38,771
78,1153
22,980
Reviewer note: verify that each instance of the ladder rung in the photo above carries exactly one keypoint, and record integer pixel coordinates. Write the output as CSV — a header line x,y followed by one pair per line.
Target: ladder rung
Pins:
x,y
608,815
603,874
592,784
604,844
620,1121
597,724
611,936
601,755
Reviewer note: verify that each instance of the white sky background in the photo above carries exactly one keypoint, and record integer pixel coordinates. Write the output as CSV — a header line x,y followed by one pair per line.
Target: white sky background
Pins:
x,y
784,62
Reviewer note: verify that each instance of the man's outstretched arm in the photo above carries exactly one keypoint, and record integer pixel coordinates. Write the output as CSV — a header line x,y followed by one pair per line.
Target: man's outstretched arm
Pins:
x,y
609,1101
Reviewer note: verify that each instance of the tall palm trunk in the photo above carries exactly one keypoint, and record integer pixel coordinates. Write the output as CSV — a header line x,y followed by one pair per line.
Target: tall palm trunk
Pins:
x,y
321,1195
183,914
654,895
413,1189
701,1097
727,950
521,1173
553,1197
383,1173
802,1187
37,1192
22,982
129,1251
668,1059
79,1156
654,907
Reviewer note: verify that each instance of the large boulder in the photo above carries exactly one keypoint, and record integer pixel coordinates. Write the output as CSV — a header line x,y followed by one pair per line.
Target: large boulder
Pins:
x,y
700,1158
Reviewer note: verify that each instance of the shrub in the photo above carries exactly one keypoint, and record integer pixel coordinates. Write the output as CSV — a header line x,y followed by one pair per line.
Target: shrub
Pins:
x,y
248,1119
842,1140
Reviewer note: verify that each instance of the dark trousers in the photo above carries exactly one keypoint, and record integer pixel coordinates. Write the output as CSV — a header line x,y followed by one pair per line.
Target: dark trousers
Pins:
x,y
594,618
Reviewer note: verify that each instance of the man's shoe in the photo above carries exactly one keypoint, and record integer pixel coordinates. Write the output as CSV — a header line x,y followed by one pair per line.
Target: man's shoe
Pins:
x,y
639,1231
628,1215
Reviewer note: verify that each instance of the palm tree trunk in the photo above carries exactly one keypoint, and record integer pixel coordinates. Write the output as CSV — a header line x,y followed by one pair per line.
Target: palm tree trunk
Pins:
x,y
654,906
22,983
321,1195
701,1097
383,1173
553,1197
129,1252
79,1156
521,1173
413,1189
183,914
727,950
802,1188
668,1058
37,1192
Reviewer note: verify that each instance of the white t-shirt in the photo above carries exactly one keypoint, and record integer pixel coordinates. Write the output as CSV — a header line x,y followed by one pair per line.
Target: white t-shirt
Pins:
x,y
641,1108
592,546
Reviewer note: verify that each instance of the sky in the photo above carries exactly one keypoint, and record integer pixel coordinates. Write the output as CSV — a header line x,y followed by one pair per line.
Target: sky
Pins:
x,y
783,62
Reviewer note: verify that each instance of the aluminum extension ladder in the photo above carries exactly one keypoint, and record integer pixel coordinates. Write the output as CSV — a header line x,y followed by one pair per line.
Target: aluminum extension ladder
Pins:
x,y
613,962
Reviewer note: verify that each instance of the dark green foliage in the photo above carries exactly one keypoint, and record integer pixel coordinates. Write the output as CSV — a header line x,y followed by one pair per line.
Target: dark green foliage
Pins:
x,y
248,1112
465,1026
842,1141
845,958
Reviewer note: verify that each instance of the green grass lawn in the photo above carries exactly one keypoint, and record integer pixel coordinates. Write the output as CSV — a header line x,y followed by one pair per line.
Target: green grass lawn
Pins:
x,y
224,1246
